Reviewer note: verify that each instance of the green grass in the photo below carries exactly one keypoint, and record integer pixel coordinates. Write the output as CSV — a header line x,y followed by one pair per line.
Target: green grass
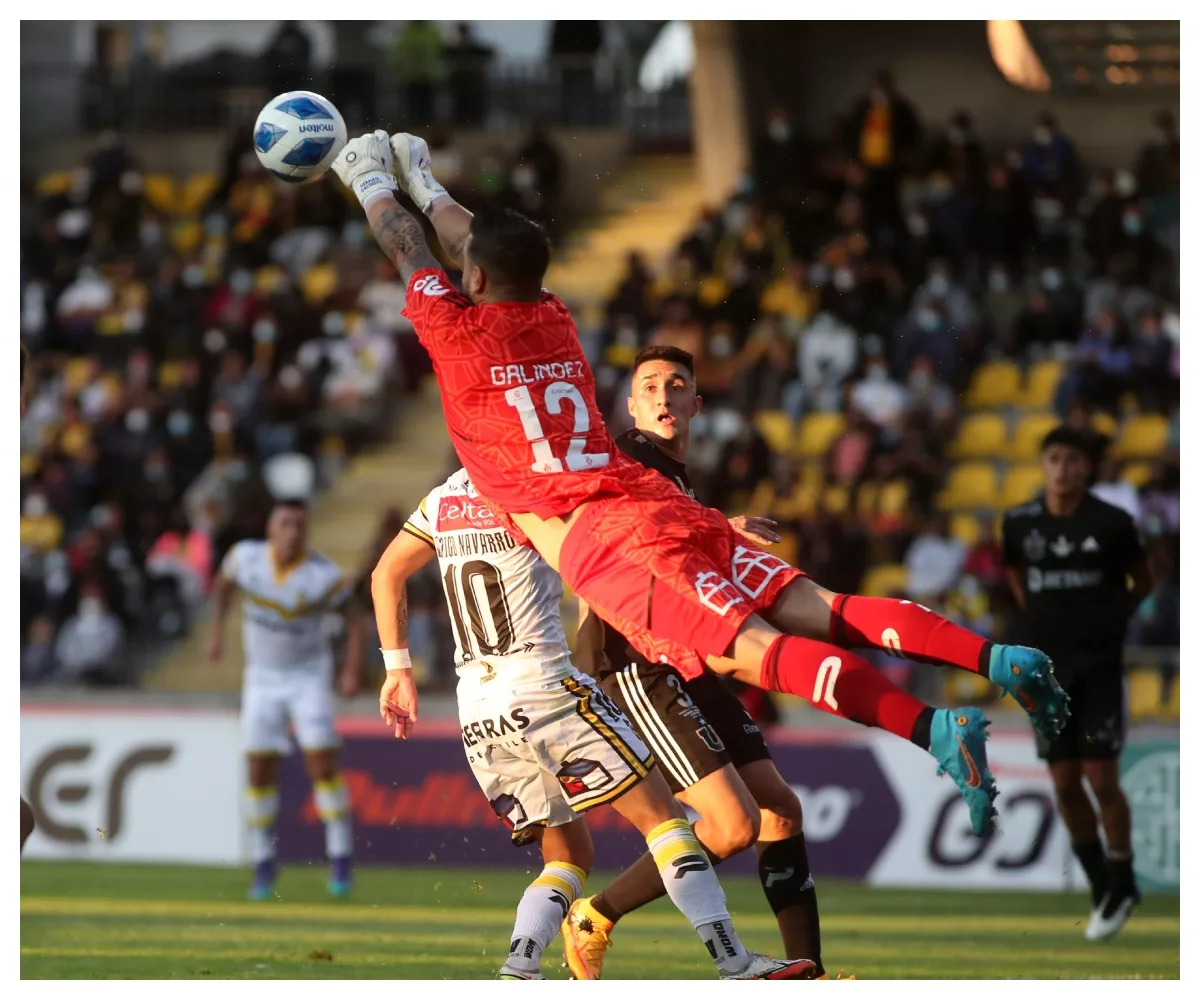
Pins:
x,y
90,921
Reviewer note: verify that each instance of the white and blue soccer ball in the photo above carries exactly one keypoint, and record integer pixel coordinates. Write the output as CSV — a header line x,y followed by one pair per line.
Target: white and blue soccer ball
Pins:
x,y
298,135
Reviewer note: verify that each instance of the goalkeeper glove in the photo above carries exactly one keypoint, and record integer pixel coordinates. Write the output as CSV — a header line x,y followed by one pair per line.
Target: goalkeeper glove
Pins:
x,y
411,159
365,166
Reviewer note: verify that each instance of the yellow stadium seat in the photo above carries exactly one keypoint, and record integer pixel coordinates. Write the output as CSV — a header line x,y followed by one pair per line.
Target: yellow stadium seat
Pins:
x,y
980,435
1041,383
817,432
1145,694
867,500
1028,434
621,356
970,485
269,279
318,283
1106,424
1171,711
880,581
186,236
159,190
170,374
1021,483
1143,436
893,498
812,474
1138,473
994,384
835,500
965,528
970,689
776,428
53,184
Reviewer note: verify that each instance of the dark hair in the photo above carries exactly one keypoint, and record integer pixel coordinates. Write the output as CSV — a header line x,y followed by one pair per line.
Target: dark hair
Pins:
x,y
513,251
1073,437
665,352
291,503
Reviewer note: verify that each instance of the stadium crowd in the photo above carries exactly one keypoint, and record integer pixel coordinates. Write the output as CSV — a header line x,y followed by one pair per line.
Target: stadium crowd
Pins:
x,y
885,319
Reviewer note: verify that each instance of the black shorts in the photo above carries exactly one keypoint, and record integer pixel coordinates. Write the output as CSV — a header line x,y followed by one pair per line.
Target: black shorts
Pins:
x,y
1096,729
694,727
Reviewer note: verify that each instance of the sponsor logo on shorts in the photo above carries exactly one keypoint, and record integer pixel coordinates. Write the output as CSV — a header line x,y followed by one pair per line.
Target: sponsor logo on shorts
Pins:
x,y
581,777
716,593
753,569
500,731
711,739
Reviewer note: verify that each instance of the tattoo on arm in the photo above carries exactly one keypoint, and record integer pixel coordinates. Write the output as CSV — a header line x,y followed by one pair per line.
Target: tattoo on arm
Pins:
x,y
400,236
402,618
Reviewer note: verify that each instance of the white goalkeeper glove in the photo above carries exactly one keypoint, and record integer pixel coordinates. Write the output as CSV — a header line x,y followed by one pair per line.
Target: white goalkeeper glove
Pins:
x,y
411,162
365,166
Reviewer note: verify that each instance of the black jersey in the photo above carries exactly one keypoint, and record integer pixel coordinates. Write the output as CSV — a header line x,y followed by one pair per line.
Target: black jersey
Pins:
x,y
1073,570
640,448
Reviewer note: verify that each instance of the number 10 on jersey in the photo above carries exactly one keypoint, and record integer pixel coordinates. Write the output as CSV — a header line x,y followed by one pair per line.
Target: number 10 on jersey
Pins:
x,y
544,460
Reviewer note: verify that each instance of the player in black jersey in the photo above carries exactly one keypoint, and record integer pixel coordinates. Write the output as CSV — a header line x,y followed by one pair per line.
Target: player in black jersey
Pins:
x,y
711,751
1070,556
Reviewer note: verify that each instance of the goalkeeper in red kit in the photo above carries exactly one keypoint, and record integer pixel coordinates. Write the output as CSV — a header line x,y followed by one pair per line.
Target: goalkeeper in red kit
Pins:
x,y
671,576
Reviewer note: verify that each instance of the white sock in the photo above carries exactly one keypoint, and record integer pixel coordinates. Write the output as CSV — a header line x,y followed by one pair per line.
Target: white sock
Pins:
x,y
333,806
262,806
693,887
541,911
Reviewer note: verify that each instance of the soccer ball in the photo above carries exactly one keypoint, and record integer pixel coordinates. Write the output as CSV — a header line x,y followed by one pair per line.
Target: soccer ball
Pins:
x,y
298,135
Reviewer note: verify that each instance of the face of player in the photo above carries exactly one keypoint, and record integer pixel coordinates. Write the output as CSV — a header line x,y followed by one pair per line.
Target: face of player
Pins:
x,y
287,531
1066,471
664,400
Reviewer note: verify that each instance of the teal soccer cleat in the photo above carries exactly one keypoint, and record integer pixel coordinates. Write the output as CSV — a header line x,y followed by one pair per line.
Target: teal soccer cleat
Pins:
x,y
1028,675
958,738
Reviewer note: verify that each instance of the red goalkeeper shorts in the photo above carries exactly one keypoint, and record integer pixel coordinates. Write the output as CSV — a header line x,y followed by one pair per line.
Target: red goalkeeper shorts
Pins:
x,y
670,575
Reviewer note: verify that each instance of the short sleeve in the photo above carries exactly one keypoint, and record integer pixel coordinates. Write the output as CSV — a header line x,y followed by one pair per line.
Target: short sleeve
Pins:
x,y
232,563
1008,543
419,523
433,306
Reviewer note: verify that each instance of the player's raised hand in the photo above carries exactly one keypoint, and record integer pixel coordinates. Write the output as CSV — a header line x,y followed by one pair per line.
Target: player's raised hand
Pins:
x,y
760,530
365,166
398,702
413,166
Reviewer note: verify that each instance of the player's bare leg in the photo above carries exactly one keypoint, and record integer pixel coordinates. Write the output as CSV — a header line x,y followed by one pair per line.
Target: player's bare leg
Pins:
x,y
333,806
688,875
26,822
262,810
1121,893
567,856
842,683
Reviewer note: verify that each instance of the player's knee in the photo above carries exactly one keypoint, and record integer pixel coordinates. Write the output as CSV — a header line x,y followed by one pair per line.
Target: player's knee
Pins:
x,y
781,822
732,832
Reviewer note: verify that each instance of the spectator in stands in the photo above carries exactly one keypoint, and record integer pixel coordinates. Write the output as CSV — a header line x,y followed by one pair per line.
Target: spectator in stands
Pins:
x,y
1158,161
791,297
1049,160
934,562
764,367
827,354
632,295
884,132
1152,379
1111,488
419,57
959,149
37,653
779,160
89,644
537,178
468,61
881,399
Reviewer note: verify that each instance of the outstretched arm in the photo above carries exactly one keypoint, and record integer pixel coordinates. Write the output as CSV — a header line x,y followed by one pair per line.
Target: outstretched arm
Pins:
x,y
400,237
452,223
412,163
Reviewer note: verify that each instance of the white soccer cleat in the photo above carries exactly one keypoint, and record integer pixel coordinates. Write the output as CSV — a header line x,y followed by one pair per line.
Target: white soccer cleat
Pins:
x,y
762,967
1110,916
510,973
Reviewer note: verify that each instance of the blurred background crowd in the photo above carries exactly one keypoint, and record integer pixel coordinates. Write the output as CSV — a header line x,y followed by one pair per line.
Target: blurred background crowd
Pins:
x,y
887,315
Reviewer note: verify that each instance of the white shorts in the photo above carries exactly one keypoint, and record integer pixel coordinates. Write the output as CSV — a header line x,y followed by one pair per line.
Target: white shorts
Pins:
x,y
305,699
544,751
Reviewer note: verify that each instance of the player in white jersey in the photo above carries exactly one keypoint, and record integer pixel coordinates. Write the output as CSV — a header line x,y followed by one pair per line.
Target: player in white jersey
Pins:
x,y
288,593
544,743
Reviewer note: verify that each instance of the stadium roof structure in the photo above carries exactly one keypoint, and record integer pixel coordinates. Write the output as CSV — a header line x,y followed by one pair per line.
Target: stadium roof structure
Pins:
x,y
1107,56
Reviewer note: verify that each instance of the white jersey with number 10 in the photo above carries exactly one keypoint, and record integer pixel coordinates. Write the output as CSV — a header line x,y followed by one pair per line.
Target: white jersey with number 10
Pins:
x,y
504,600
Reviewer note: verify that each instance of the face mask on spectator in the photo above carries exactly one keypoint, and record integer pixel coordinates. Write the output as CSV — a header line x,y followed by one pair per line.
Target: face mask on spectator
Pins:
x,y
818,274
1042,135
179,423
1052,279
354,234
35,505
155,472
131,182
843,279
220,422
920,380
101,517
215,226
720,346
237,471
333,324
727,424
918,225
1048,209
928,320
1132,224
956,135
193,276
939,285
877,373
998,281
290,378
524,178
240,282
150,233
779,130
736,218
214,341
91,607
264,331
1125,183
137,421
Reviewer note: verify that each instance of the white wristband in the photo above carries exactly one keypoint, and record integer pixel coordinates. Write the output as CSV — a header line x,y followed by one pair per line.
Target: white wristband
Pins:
x,y
396,659
374,185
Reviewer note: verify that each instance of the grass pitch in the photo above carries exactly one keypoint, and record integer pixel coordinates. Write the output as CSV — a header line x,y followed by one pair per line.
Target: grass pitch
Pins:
x,y
100,921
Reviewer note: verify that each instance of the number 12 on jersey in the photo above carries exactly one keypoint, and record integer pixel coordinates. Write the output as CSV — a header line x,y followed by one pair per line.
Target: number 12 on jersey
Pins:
x,y
544,460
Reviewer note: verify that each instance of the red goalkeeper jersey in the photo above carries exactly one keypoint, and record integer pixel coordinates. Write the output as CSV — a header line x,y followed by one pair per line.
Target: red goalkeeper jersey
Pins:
x,y
520,400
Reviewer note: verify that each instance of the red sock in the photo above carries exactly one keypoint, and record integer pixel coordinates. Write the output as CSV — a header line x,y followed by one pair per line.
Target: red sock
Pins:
x,y
840,683
906,629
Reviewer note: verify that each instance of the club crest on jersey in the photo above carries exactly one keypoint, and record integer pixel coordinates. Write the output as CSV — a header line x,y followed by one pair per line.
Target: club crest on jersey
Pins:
x,y
580,777
1035,546
458,513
